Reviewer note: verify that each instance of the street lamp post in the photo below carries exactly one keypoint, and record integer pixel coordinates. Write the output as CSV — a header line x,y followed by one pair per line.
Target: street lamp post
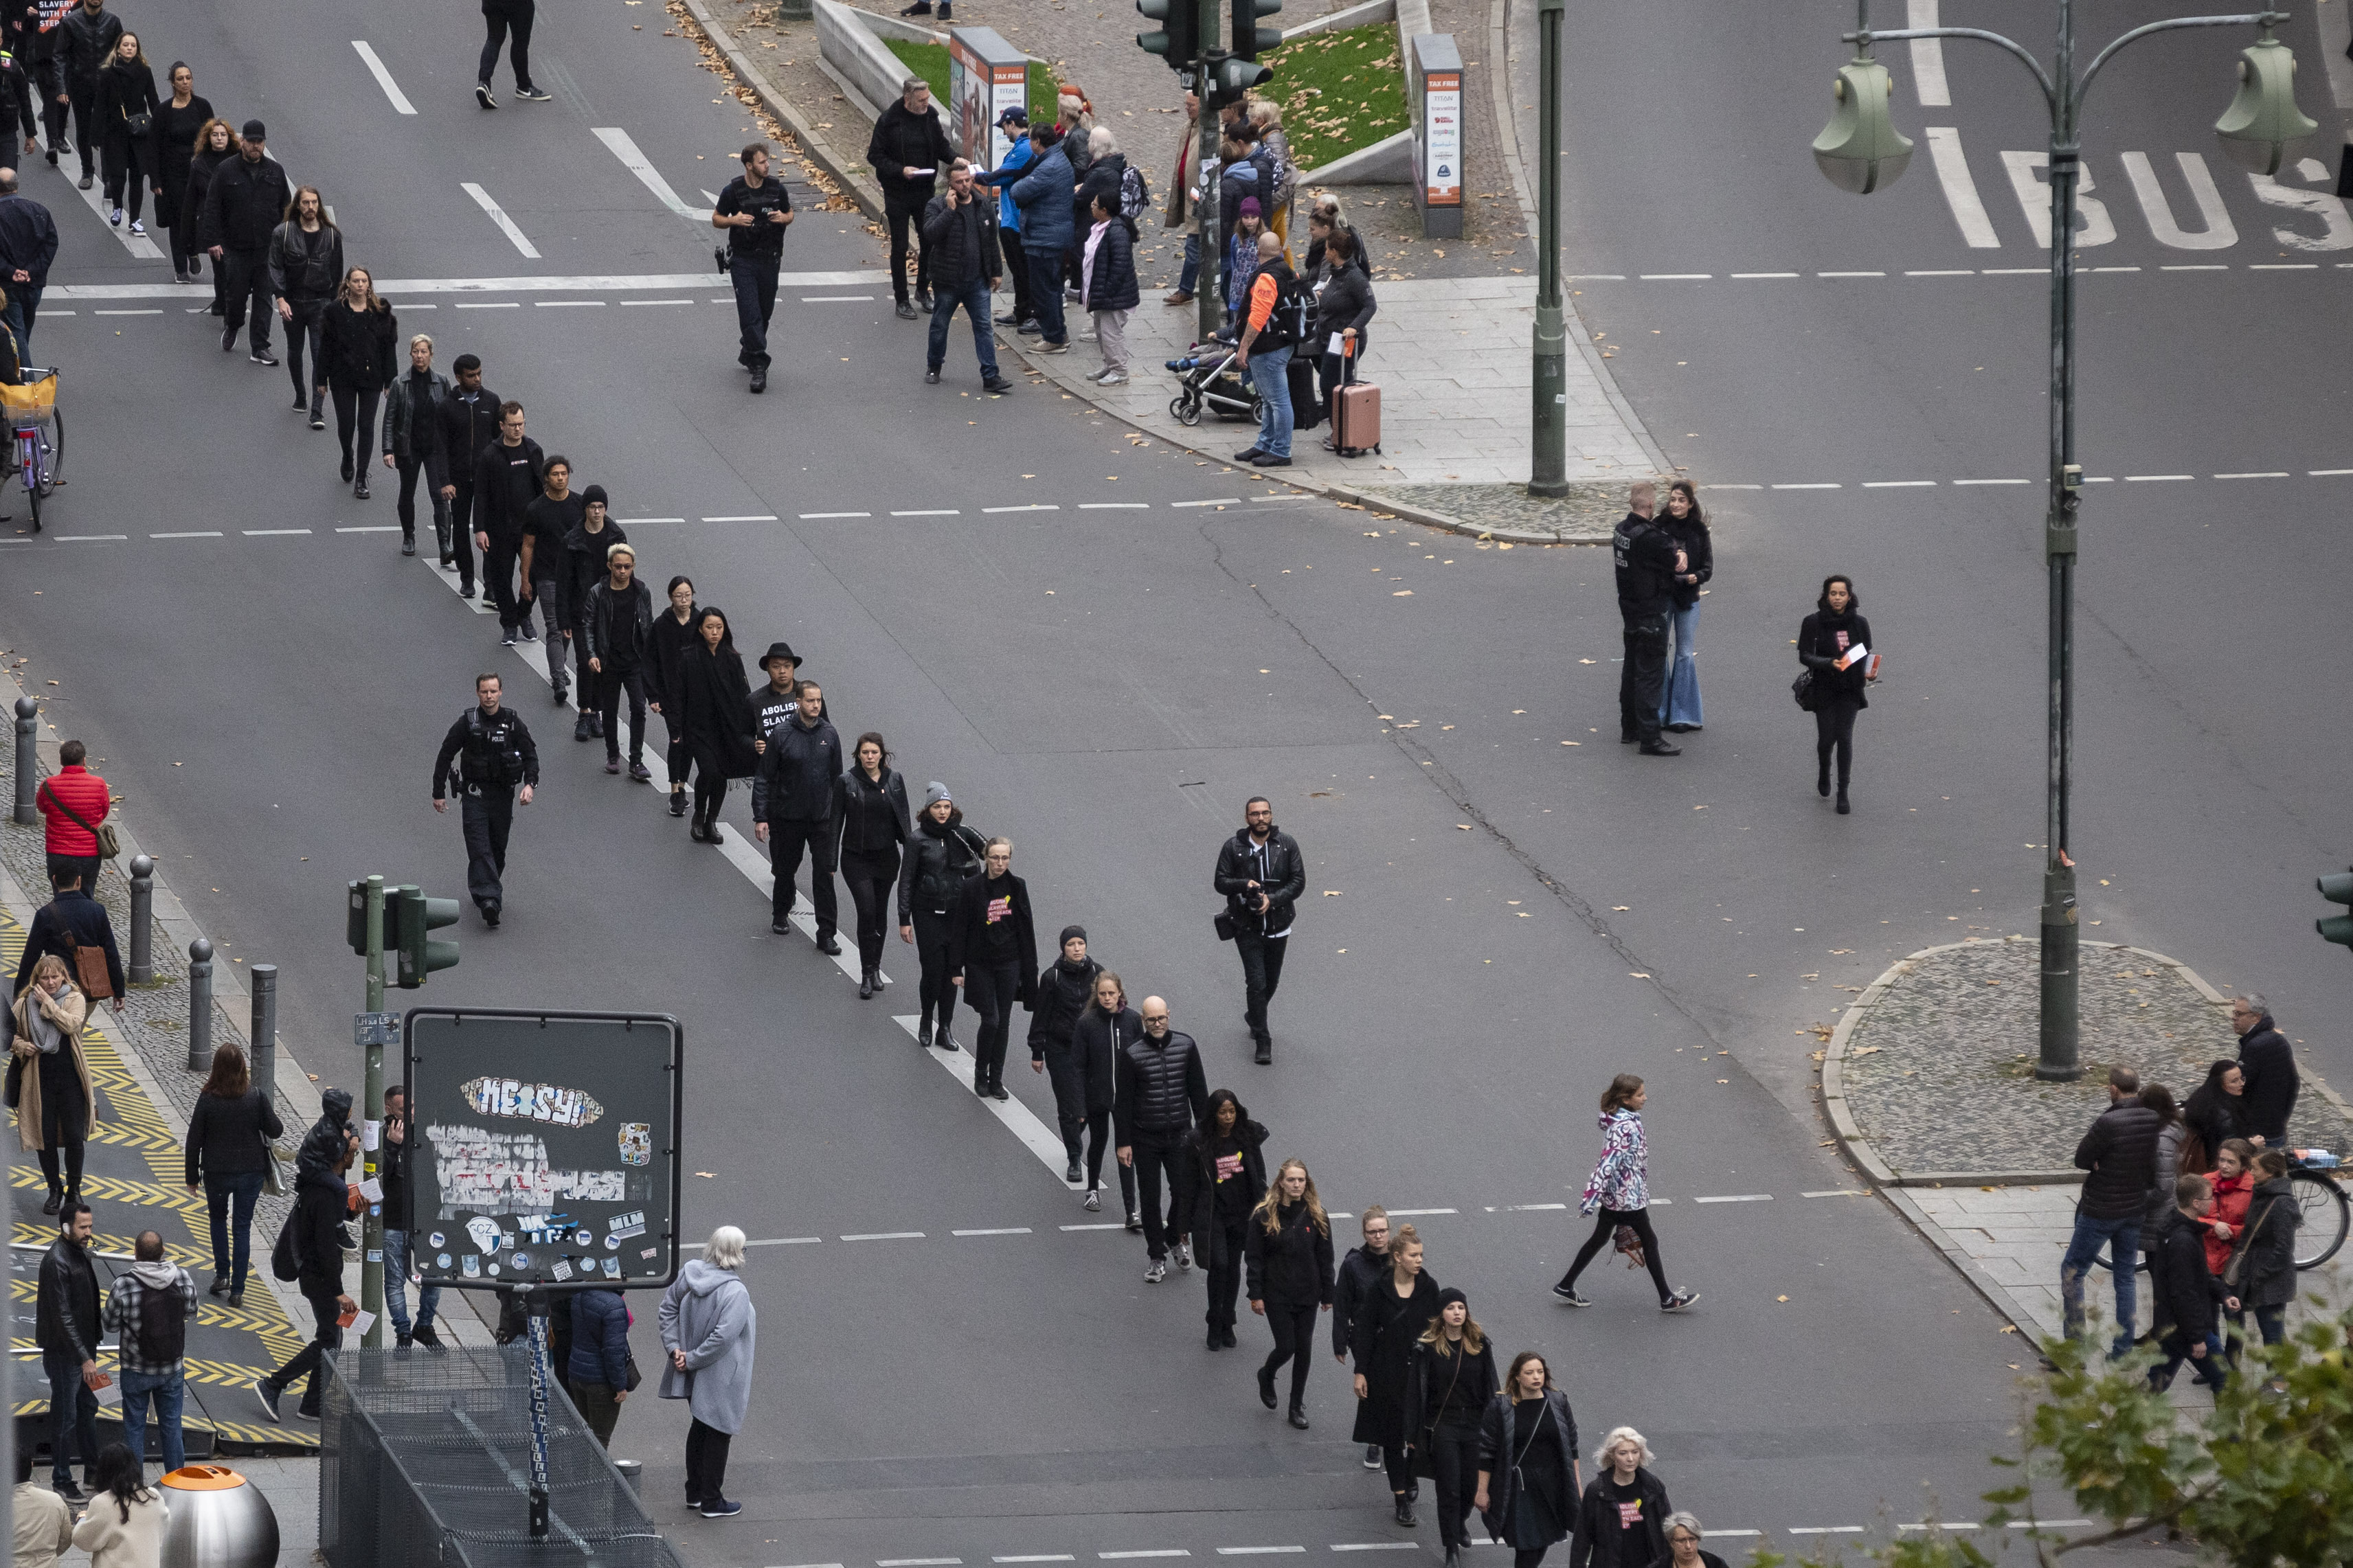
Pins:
x,y
1548,469
1861,150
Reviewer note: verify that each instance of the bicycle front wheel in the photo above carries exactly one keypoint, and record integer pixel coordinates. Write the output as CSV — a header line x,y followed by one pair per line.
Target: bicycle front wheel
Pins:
x,y
55,459
2326,1215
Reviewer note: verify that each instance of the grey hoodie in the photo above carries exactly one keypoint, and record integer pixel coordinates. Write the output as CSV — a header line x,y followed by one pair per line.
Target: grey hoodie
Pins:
x,y
708,1314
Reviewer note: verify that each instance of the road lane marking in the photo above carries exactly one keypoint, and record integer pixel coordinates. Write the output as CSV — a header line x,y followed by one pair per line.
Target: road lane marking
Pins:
x,y
1214,500
637,163
1528,1208
948,511
1898,484
833,300
1112,1224
786,1241
384,77
552,283
1767,275
2283,266
270,532
808,516
1033,506
2198,267
2274,474
1849,274
1945,272
2327,473
2219,233
1017,1118
371,528
1826,1529
656,302
1376,1546
1118,1556
2157,478
1255,1551
85,538
155,312
889,1235
627,521
1807,487
498,215
1838,1193
558,304
1927,58
138,244
747,517
2017,272
1411,1212
499,305
1675,277
1039,1557
917,1561
1737,1198
195,533
1134,505
1007,1230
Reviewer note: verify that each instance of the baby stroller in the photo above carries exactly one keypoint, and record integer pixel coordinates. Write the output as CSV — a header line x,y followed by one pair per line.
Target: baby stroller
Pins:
x,y
1206,378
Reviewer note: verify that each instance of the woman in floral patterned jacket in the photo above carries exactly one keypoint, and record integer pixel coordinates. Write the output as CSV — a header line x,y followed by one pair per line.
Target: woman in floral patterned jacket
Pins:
x,y
1619,1193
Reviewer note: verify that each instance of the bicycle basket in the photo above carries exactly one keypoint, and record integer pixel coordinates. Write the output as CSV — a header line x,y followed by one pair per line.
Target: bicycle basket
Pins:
x,y
33,404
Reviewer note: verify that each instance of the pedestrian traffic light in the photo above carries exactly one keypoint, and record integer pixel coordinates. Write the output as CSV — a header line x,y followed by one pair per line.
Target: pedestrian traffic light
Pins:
x,y
2336,889
412,914
356,917
1232,77
1250,40
1178,37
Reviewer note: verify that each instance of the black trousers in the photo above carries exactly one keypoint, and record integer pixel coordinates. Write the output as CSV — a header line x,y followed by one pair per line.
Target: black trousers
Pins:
x,y
325,1336
754,277
1834,731
85,110
248,296
2211,1369
1099,1139
678,755
306,327
489,817
1294,1323
988,990
1154,1155
355,424
499,16
1016,266
69,1179
872,878
429,471
1454,1460
1605,1225
499,565
1261,974
611,685
1225,1280
129,162
786,842
459,551
1643,679
73,1417
900,210
183,240
932,951
706,1461
710,792
49,81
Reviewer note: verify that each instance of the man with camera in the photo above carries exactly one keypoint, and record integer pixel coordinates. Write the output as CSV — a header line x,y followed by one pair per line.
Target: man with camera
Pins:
x,y
1262,875
755,210
497,756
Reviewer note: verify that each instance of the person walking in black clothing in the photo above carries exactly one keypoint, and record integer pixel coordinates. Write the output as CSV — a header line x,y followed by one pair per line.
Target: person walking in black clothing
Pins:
x,y
500,17
1097,1040
2270,1065
244,200
16,113
1390,1320
306,273
361,349
1062,994
1450,1383
86,41
400,1245
412,444
1621,1519
498,757
907,150
583,560
1262,875
1221,1168
1529,1477
66,1328
756,209
127,103
28,243
2188,1292
1288,1251
714,700
1159,1092
1364,1265
2120,1152
941,854
1835,646
1679,708
870,825
49,1084
992,954
674,639
616,631
316,1238
216,145
508,477
1647,560
469,427
179,123
229,1134
792,810
964,257
547,521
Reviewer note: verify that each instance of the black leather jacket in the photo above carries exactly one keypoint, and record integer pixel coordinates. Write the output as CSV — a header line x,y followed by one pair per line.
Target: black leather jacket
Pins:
x,y
605,606
1285,879
65,1317
870,818
412,431
84,42
940,856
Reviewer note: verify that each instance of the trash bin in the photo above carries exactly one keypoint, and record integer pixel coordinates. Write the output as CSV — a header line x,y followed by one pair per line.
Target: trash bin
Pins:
x,y
219,1520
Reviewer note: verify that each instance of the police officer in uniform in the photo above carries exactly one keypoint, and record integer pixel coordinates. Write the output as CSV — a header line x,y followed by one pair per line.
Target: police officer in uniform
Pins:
x,y
1647,560
755,209
498,755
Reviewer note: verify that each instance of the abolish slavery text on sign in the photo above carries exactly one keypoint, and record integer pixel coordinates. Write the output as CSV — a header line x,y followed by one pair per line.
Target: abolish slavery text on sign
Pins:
x,y
543,1148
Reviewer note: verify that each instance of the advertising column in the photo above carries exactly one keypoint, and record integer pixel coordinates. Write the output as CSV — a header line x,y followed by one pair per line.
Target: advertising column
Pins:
x,y
1438,149
987,76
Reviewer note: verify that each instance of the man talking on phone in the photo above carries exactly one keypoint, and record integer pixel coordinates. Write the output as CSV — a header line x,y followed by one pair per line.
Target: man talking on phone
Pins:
x,y
755,209
960,239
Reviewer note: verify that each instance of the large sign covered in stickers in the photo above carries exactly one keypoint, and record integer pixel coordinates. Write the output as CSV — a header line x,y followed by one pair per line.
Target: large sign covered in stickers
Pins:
x,y
544,1148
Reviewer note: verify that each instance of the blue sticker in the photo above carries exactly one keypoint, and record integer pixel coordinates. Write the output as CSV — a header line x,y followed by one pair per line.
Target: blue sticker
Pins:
x,y
442,1261
438,1240
522,1261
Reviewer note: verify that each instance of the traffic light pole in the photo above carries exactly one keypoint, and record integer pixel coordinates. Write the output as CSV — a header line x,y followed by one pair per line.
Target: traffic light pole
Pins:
x,y
372,1113
1548,467
1210,289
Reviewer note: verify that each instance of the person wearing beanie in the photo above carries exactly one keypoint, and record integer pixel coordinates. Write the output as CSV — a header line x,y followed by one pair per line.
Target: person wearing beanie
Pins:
x,y
1448,1384
1241,255
941,853
582,567
1061,995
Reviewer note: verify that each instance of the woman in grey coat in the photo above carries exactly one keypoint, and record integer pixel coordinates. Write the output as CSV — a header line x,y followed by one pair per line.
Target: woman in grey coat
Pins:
x,y
708,1328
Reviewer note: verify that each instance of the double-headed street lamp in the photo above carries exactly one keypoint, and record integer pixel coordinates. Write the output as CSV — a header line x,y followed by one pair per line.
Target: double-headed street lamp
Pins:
x,y
1861,150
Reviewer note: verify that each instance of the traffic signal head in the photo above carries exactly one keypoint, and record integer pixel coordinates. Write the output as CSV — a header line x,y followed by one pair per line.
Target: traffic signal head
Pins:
x,y
1232,77
2336,889
415,915
1250,40
1178,37
356,916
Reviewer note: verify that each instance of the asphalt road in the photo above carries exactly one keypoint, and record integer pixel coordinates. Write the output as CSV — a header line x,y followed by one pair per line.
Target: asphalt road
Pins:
x,y
1107,686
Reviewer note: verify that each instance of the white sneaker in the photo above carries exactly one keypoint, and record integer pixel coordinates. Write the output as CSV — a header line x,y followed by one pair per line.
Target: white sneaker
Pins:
x,y
138,228
1184,1257
1155,1273
1093,1203
1111,378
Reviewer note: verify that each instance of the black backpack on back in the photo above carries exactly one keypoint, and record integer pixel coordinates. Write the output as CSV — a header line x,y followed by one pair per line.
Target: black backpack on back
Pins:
x,y
163,1324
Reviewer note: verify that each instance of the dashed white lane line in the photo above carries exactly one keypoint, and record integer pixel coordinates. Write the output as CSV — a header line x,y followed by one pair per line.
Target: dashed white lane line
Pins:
x,y
1039,1557
786,1241
88,538
886,1236
138,244
1838,1193
1033,506
1898,484
808,516
498,215
1767,275
1811,487
2157,478
1737,1198
1675,277
2327,473
656,302
1121,505
155,312
1826,1529
1111,1224
382,75
948,511
637,163
1257,1550
271,532
371,528
563,304
1992,481
2273,474
1214,500
2284,266
193,533
1123,1556
1416,1212
917,1561
1004,1230
492,305
1376,1546
834,300
746,516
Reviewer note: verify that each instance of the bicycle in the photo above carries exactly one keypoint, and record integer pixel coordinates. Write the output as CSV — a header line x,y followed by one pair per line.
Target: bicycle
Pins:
x,y
2320,1197
35,451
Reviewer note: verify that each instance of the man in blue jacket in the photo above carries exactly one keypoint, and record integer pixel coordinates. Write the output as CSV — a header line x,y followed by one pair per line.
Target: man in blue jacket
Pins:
x,y
1043,195
1014,123
28,243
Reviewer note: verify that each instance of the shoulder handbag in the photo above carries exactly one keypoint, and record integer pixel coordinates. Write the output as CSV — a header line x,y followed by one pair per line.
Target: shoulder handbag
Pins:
x,y
1802,688
2234,1271
109,844
140,123
89,963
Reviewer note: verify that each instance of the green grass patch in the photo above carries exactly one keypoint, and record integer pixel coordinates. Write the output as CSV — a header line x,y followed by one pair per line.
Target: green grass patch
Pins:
x,y
929,61
1340,92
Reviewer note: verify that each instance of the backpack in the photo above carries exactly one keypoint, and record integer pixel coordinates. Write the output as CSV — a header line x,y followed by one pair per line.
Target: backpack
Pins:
x,y
283,1261
1134,196
1286,324
162,1325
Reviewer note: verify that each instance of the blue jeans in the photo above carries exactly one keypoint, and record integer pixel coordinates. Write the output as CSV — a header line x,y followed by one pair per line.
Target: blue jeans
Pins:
x,y
2121,1236
1192,273
24,304
2211,1368
169,1391
1046,292
396,1287
754,277
1681,704
73,1415
1271,372
232,1226
973,296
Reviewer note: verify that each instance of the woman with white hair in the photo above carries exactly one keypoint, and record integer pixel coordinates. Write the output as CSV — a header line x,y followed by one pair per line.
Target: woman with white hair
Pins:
x,y
708,1328
1621,1519
1683,1536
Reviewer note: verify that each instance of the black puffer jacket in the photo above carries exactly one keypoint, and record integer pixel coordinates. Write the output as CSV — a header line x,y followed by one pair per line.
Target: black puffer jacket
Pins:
x,y
1161,1090
1110,277
1100,178
950,231
322,1146
940,857
1062,992
1346,301
870,818
2120,1152
584,567
2267,1277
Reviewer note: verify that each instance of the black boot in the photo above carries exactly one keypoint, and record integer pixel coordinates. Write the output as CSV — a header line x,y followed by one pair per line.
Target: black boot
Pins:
x,y
923,1030
1266,1387
318,410
1822,774
409,542
1405,1511
865,985
1299,1416
1842,797
678,802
